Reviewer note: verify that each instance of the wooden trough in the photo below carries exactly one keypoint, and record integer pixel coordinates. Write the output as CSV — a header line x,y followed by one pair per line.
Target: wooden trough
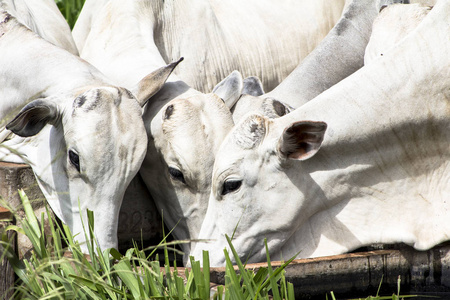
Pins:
x,y
359,274
350,275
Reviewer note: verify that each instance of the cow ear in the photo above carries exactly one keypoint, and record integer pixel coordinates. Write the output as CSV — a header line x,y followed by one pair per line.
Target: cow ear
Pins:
x,y
281,108
253,86
230,88
153,82
33,117
273,108
302,140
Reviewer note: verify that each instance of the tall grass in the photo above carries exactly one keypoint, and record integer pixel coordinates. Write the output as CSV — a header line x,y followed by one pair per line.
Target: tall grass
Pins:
x,y
50,273
70,9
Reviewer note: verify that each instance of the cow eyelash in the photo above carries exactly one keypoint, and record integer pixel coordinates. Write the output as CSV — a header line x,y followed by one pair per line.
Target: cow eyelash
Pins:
x,y
74,160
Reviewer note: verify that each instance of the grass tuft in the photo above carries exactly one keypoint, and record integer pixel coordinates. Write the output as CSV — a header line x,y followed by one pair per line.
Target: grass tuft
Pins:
x,y
58,269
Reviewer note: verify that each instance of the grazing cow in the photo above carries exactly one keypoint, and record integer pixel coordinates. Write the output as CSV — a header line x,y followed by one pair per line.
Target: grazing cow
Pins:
x,y
83,136
339,55
259,38
378,174
44,18
184,126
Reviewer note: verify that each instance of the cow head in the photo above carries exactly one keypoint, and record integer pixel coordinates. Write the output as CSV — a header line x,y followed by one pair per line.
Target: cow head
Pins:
x,y
85,147
184,136
253,191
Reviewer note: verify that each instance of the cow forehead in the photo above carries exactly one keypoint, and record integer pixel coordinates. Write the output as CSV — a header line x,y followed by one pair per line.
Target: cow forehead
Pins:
x,y
106,104
203,117
102,99
106,118
192,130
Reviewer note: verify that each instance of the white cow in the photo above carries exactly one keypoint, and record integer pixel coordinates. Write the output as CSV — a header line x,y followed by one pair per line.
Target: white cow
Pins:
x,y
83,136
44,18
259,38
186,127
380,173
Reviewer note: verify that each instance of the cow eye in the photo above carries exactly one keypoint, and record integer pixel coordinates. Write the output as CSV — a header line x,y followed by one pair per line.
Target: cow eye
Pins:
x,y
74,160
176,174
231,186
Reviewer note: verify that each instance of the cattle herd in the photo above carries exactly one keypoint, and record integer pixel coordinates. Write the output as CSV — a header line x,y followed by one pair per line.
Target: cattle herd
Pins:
x,y
323,126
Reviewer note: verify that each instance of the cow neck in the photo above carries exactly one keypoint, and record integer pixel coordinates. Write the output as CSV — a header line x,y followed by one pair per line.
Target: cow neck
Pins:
x,y
386,144
45,20
339,55
35,68
375,97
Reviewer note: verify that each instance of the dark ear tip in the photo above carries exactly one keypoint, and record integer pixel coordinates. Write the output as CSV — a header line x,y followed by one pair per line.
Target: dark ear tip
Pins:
x,y
175,63
10,125
18,127
320,125
382,7
18,118
32,118
323,124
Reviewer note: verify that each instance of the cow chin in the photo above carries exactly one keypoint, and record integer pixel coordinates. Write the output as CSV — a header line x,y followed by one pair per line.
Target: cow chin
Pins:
x,y
75,197
244,248
215,251
106,214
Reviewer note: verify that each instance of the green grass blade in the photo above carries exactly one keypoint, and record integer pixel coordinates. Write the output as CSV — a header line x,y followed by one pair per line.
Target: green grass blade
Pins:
x,y
273,282
332,295
220,292
277,272
81,281
45,252
206,274
126,273
55,234
29,213
245,276
291,292
239,221
197,289
14,228
259,277
17,265
234,286
379,285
